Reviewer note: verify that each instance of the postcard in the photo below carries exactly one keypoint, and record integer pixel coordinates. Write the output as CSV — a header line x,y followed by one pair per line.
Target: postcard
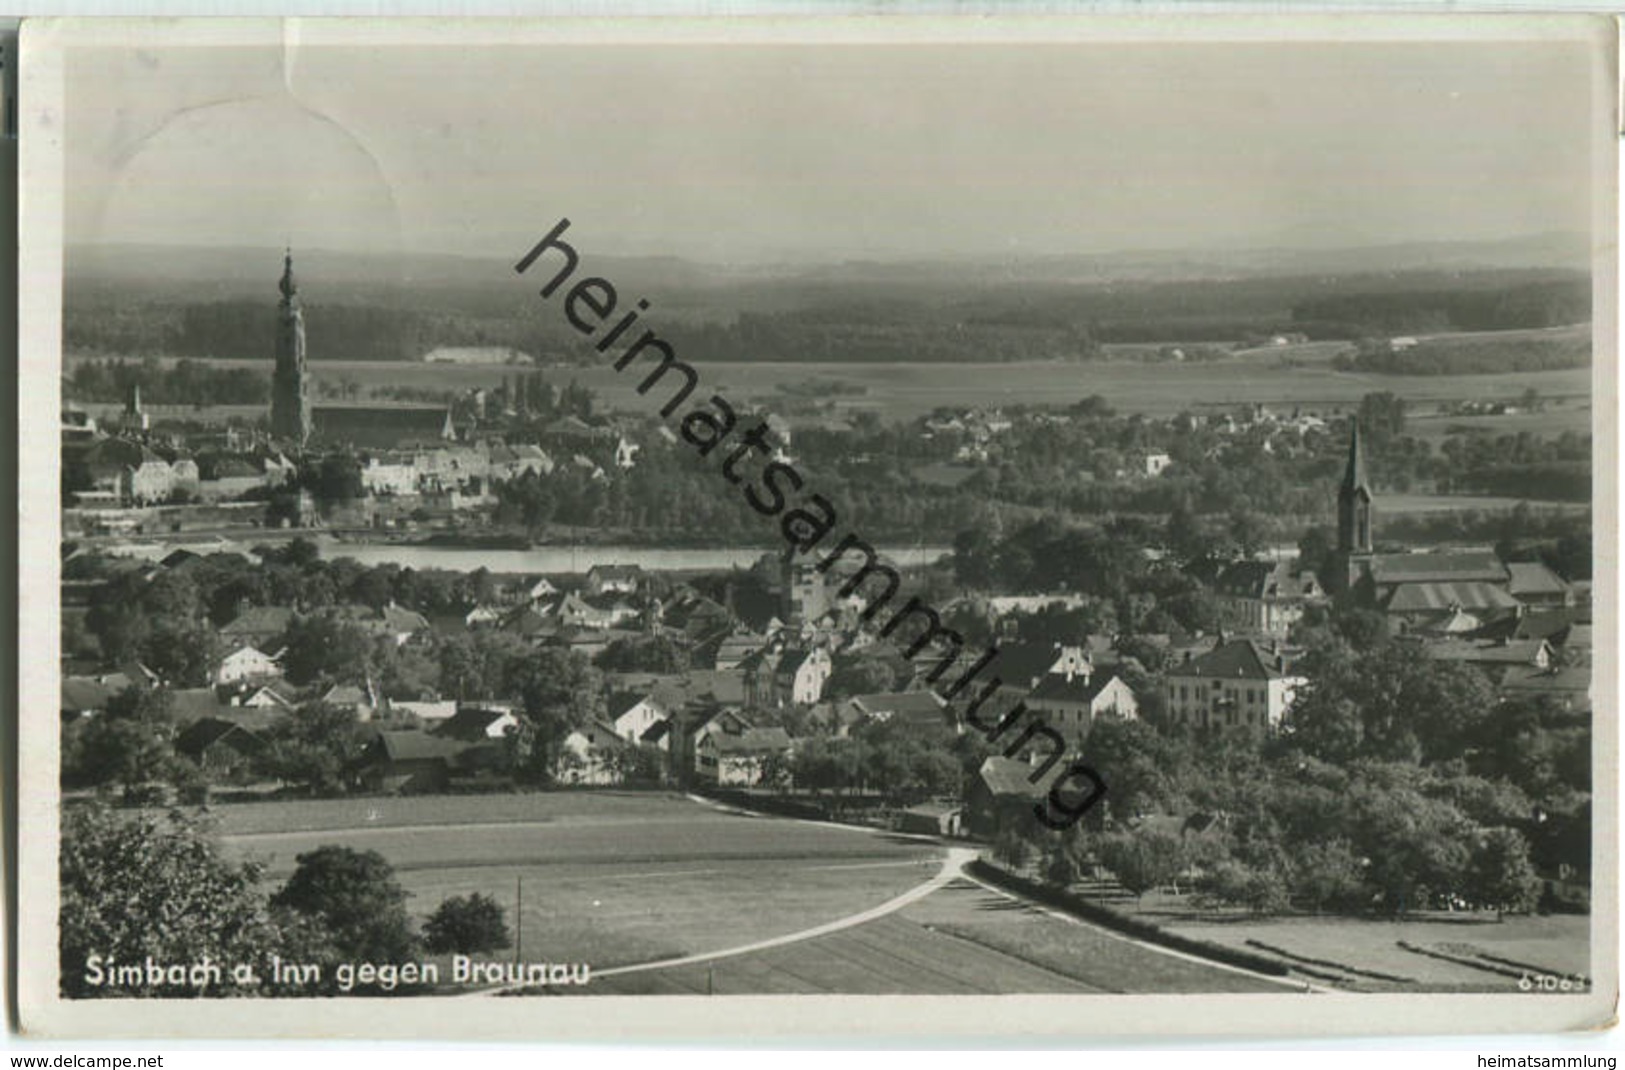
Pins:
x,y
818,529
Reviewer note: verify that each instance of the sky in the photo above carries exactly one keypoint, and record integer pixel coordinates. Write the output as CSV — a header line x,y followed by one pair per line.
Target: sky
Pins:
x,y
746,152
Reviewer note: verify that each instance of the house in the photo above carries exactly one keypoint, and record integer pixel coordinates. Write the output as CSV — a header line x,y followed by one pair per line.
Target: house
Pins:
x,y
271,695
85,696
1266,596
1024,665
401,624
1004,792
1072,706
694,724
406,762
592,748
246,663
735,647
427,714
191,704
258,626
223,749
359,701
537,590
634,713
1533,584
1156,463
738,759
621,579
917,709
1525,652
800,676
473,724
573,611
1570,686
1237,684
386,477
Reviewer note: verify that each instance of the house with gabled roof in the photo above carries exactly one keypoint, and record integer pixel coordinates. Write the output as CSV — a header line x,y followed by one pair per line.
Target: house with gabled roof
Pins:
x,y
1004,792
621,579
634,713
247,662
738,759
258,626
407,761
1023,665
224,749
1071,707
800,675
916,709
1236,685
1534,584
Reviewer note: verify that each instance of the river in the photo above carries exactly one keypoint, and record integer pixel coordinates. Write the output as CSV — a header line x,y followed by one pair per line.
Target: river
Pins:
x,y
578,559
561,560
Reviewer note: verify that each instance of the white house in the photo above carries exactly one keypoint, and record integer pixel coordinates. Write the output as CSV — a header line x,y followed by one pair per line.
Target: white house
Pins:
x,y
246,663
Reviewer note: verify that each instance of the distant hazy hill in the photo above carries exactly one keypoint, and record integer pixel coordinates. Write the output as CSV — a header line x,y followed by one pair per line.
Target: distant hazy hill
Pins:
x,y
240,272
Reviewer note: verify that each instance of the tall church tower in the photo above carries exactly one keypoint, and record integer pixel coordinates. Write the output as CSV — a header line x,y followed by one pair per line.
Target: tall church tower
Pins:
x,y
1354,502
290,383
1355,512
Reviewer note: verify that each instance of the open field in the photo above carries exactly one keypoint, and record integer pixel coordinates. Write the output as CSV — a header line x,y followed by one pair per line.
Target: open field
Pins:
x,y
903,391
627,879
1560,944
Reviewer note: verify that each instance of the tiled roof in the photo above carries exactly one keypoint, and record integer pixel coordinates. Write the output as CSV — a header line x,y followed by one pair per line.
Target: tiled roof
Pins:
x,y
1276,580
379,426
1440,595
1237,659
1450,565
752,741
1006,776
1533,577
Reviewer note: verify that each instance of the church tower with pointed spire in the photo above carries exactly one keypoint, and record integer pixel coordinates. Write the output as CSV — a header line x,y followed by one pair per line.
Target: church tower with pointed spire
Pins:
x,y
290,382
1356,510
1354,502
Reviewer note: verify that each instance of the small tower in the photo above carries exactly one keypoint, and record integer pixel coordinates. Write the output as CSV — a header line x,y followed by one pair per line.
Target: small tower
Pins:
x,y
134,416
290,381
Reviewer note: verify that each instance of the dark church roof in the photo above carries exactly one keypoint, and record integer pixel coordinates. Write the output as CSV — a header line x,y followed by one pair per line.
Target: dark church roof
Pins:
x,y
1453,566
381,427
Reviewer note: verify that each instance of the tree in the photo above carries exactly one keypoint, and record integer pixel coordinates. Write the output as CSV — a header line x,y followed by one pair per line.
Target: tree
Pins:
x,y
658,653
354,896
467,924
1143,860
560,692
144,886
129,746
313,746
323,647
1382,419
1500,874
1328,875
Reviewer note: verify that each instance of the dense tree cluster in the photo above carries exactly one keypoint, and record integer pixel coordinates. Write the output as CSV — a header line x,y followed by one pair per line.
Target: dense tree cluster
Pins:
x,y
185,382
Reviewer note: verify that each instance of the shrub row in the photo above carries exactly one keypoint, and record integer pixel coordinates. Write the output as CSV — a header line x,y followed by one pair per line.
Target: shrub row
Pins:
x,y
768,804
1111,919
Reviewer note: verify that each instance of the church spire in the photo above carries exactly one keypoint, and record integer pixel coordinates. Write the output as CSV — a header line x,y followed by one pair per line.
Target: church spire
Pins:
x,y
1354,478
289,285
1354,501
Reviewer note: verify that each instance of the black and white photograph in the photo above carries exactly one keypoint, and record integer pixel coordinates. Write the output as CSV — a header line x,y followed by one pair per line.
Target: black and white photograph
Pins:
x,y
1078,511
